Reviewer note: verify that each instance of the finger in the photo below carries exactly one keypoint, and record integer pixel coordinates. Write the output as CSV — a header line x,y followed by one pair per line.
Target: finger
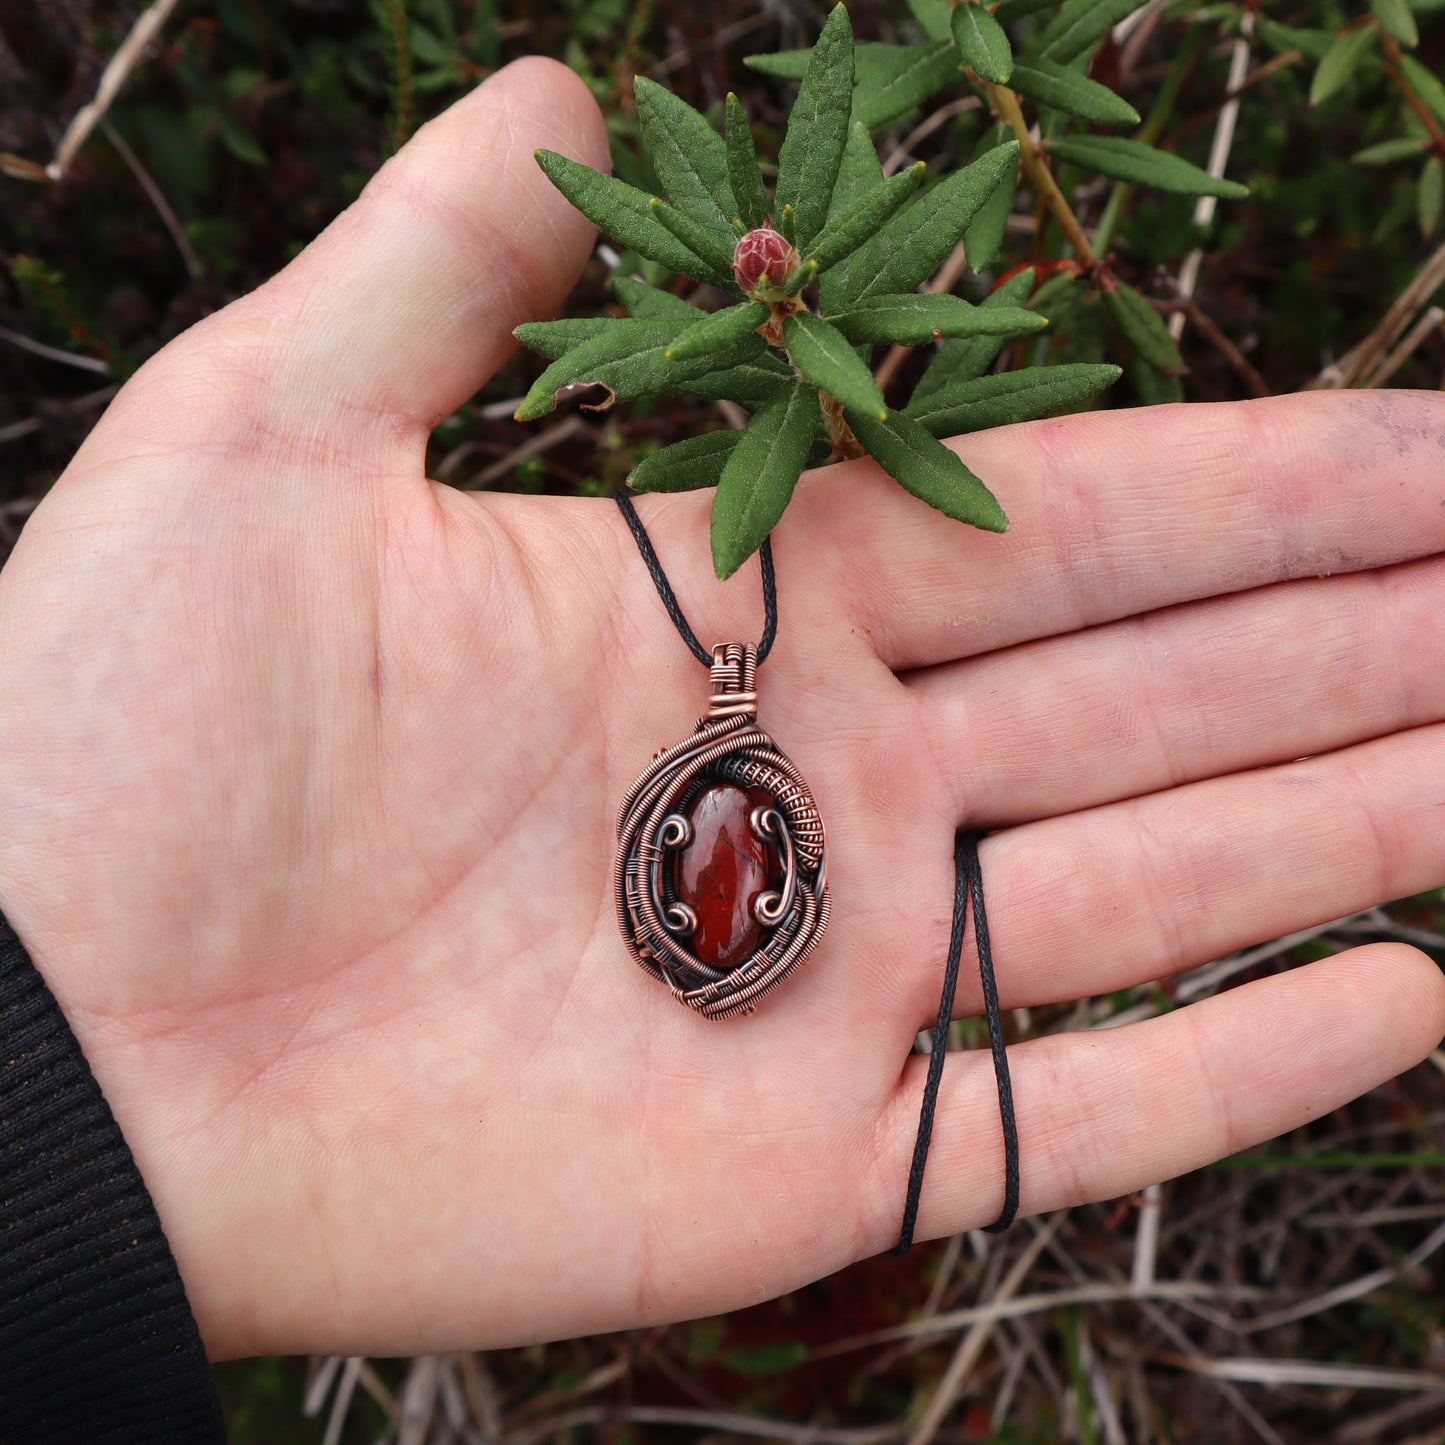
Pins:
x,y
1102,1113
1186,693
1115,513
1121,895
405,305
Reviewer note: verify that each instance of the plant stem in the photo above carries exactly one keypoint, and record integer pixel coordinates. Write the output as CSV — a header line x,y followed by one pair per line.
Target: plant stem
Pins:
x,y
1119,197
839,432
1006,106
1412,99
1247,373
399,53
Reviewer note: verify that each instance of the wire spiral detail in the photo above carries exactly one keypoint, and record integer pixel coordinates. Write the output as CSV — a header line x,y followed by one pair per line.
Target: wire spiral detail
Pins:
x,y
726,747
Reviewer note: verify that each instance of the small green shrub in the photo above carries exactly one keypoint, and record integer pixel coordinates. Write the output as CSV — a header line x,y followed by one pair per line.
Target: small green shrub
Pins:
x,y
829,266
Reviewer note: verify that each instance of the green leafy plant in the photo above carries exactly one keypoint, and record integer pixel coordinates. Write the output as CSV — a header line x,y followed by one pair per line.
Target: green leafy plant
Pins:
x,y
971,42
1367,56
818,275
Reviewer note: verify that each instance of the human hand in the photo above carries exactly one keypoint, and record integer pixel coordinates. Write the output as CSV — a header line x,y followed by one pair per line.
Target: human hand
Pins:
x,y
310,770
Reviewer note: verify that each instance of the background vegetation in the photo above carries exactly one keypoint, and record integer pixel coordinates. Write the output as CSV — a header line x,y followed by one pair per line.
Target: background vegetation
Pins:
x,y
1290,1295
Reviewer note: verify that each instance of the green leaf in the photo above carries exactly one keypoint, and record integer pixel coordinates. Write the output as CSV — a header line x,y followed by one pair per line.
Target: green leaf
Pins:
x,y
1152,386
648,303
967,357
932,17
1007,397
1132,160
1011,10
757,482
1144,328
1388,151
1057,85
428,48
686,465
985,233
812,149
714,257
239,141
821,352
751,383
719,333
1080,23
860,172
1061,284
893,79
1396,20
622,211
1282,38
982,43
742,161
773,1358
1425,84
1078,329
629,359
928,469
908,250
1341,61
1428,195
803,276
688,155
846,232
555,338
913,318
785,64
622,347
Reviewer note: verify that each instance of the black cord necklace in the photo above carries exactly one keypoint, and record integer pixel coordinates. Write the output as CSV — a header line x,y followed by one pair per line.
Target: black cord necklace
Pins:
x,y
722,867
722,871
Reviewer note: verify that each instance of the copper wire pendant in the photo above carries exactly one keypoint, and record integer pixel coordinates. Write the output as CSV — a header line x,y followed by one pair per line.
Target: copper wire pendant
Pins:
x,y
721,879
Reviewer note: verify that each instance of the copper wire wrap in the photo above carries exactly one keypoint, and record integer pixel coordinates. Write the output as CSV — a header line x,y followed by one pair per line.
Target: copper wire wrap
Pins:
x,y
726,746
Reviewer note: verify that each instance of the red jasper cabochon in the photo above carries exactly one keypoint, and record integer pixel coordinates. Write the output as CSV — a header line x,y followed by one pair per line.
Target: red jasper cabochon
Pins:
x,y
720,874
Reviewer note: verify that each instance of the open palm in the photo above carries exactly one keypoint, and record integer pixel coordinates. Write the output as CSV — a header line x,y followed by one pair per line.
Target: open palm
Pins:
x,y
309,772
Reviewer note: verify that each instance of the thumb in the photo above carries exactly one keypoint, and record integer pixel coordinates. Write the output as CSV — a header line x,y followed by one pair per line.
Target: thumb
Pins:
x,y
405,304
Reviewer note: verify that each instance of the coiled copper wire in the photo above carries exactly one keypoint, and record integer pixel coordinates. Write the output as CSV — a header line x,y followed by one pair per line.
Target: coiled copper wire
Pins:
x,y
726,746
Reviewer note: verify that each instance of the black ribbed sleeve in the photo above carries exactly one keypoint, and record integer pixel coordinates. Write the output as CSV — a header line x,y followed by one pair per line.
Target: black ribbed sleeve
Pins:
x,y
97,1342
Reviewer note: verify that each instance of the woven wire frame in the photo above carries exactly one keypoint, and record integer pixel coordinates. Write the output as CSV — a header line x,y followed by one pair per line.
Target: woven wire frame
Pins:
x,y
726,747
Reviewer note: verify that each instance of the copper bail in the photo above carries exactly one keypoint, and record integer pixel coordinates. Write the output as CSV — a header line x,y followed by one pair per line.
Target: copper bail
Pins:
x,y
734,680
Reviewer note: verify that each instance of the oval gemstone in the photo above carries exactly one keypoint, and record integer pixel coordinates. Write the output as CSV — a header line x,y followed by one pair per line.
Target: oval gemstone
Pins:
x,y
720,874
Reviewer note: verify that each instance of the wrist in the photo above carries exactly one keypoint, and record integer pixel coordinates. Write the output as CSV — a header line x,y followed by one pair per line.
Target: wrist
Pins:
x,y
96,1336
144,1093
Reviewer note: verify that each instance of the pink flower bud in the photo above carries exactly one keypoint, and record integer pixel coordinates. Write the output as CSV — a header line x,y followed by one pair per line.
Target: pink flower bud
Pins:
x,y
763,255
